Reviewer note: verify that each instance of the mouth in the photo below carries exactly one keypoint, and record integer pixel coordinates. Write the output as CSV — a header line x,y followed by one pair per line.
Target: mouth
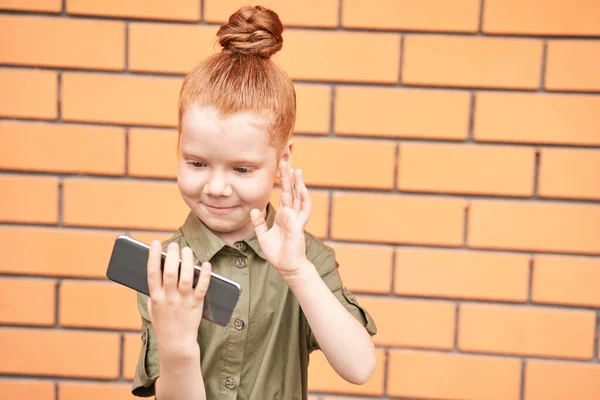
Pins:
x,y
219,209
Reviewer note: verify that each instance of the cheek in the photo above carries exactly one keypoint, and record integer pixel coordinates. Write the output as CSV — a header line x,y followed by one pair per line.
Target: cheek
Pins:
x,y
187,182
256,190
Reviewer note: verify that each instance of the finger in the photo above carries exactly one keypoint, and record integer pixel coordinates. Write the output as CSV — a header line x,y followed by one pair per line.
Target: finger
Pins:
x,y
149,307
258,221
306,209
153,268
286,186
187,270
297,189
171,269
203,281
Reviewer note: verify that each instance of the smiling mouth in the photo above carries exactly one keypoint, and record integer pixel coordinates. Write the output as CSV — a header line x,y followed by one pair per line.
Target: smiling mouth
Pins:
x,y
219,208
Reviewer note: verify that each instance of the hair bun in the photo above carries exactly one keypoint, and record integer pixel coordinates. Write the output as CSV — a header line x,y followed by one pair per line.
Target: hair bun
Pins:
x,y
252,31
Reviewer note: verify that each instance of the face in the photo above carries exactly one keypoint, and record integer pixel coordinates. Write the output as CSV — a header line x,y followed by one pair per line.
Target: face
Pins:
x,y
226,168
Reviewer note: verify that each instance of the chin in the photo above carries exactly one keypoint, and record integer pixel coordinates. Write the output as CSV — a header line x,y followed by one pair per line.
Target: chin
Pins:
x,y
225,224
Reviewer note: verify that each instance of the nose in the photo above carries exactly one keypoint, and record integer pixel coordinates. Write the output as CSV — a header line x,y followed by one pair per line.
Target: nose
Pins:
x,y
217,185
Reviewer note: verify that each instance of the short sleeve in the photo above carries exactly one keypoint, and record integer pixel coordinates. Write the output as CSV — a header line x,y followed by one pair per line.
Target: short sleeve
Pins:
x,y
323,258
148,368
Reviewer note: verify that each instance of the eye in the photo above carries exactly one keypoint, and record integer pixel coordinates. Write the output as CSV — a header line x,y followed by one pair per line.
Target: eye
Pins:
x,y
197,164
243,170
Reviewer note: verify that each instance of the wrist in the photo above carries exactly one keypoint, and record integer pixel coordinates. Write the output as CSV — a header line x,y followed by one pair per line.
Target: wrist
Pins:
x,y
303,273
184,351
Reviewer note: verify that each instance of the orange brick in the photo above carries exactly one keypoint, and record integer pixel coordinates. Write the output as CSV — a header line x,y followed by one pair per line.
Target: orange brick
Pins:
x,y
548,226
364,268
461,274
412,113
71,146
530,331
98,305
166,47
27,389
340,56
323,378
412,323
466,169
32,5
569,173
186,10
340,398
153,153
62,42
36,93
319,218
452,376
117,203
428,15
131,352
566,280
305,13
313,103
472,61
397,219
94,391
573,65
552,17
59,353
58,251
27,301
32,199
537,118
561,380
333,162
120,99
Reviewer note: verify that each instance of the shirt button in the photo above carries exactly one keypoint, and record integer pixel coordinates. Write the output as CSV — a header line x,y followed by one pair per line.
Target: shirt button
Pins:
x,y
239,324
229,383
240,246
240,262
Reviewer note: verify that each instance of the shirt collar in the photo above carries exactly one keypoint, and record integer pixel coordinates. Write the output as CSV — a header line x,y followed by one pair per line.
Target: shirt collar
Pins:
x,y
205,244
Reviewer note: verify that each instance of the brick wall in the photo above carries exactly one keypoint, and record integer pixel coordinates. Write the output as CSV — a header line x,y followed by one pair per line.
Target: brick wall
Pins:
x,y
452,150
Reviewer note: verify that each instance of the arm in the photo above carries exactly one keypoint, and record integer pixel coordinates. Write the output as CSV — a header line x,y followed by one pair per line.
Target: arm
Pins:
x,y
345,342
175,309
180,378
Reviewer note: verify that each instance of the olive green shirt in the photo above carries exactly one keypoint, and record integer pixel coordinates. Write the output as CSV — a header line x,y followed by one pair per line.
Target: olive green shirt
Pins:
x,y
263,352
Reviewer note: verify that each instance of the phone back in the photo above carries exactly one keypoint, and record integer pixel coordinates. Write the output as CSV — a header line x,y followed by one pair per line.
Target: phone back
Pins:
x,y
128,266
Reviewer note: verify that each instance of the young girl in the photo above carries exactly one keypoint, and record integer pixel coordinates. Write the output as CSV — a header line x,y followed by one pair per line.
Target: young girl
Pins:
x,y
237,112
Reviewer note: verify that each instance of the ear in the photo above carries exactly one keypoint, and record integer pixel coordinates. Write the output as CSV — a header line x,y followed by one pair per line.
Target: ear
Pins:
x,y
286,155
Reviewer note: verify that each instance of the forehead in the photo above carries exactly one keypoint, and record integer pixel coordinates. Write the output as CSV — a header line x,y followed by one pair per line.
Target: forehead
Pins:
x,y
204,125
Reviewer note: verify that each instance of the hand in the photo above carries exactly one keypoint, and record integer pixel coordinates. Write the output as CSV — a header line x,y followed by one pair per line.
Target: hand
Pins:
x,y
284,244
175,308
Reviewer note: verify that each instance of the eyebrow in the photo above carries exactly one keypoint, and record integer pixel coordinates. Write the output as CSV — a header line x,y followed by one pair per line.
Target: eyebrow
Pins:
x,y
237,161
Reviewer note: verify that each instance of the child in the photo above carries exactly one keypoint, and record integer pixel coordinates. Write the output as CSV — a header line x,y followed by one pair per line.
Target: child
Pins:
x,y
236,116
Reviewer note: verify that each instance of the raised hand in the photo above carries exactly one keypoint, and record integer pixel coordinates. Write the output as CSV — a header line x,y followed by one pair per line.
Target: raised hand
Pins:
x,y
175,307
284,244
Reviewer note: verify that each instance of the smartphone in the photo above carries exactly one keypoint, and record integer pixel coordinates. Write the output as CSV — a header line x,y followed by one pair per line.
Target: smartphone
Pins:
x,y
128,266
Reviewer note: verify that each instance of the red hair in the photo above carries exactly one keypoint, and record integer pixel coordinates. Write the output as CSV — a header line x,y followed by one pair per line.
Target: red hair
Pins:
x,y
242,77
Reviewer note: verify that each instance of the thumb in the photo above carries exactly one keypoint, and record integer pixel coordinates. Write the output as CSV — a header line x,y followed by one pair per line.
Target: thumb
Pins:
x,y
258,221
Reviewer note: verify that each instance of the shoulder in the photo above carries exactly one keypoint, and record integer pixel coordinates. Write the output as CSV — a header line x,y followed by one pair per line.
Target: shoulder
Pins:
x,y
319,254
176,237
